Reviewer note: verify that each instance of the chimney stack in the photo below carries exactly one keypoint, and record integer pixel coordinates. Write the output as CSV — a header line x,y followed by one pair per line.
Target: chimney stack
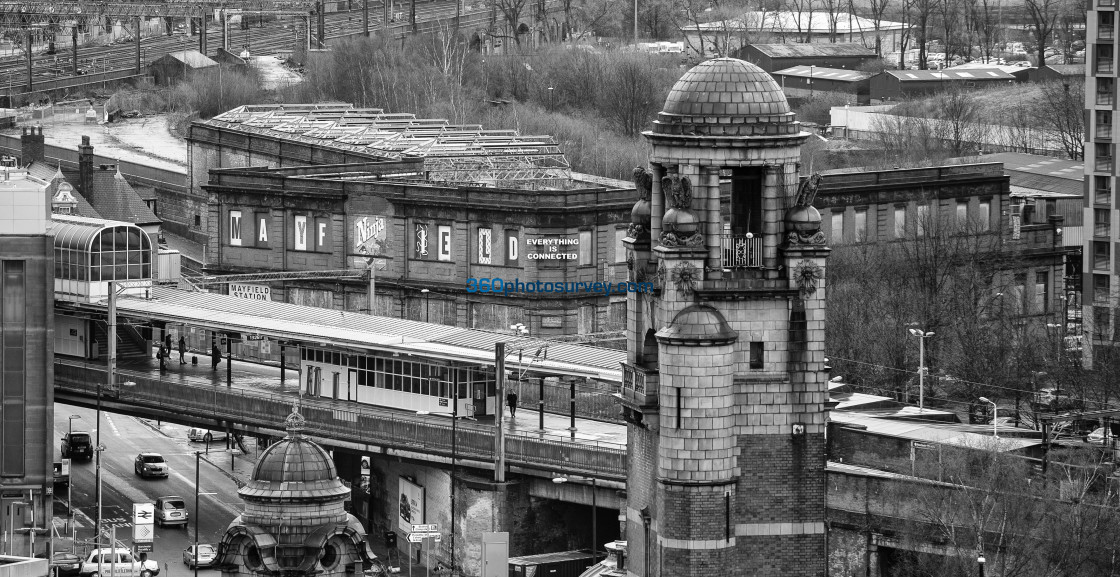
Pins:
x,y
85,168
32,146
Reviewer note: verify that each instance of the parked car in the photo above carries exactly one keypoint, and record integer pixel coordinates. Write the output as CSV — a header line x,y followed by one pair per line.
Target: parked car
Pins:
x,y
150,465
207,554
64,564
171,510
122,560
76,445
61,473
196,434
1097,436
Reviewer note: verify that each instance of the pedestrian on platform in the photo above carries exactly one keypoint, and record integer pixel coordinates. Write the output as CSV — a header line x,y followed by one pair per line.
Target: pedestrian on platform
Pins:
x,y
511,400
167,342
216,353
182,350
161,354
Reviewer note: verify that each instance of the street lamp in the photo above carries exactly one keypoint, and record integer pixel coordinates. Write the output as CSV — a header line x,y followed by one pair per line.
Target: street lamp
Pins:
x,y
922,336
980,566
197,515
810,81
995,414
454,414
69,484
594,512
425,293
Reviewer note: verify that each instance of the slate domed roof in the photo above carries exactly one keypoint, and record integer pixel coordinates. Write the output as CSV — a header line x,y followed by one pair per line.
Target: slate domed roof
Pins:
x,y
697,325
726,97
294,468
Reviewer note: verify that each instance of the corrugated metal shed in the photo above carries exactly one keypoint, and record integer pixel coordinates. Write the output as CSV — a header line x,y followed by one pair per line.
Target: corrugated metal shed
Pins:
x,y
821,73
810,50
972,74
959,435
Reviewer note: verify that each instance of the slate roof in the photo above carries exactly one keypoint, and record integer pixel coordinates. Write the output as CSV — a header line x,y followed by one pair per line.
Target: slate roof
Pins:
x,y
53,176
815,72
192,58
950,74
1043,173
115,199
1068,69
810,50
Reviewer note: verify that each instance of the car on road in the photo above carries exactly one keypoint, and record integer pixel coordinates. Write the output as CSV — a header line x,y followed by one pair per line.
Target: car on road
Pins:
x,y
1097,436
150,465
171,510
61,473
198,435
117,562
207,554
64,564
76,445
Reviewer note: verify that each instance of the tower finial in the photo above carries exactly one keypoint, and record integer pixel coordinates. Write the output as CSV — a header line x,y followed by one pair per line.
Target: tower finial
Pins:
x,y
295,423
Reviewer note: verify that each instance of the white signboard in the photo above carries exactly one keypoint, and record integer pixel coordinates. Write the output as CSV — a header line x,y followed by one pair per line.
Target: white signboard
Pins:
x,y
369,235
143,513
411,500
66,467
255,292
424,528
301,233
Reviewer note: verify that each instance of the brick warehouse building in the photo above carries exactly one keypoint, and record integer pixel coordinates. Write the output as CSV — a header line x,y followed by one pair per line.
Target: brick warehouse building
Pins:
x,y
435,204
724,390
27,331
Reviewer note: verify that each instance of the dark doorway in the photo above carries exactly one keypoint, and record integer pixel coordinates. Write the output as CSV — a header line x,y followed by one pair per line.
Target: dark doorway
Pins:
x,y
746,200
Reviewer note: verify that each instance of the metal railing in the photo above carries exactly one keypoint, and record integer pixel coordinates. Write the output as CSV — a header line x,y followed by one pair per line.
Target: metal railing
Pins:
x,y
1105,98
741,251
1106,33
344,421
1104,66
1106,3
1103,164
1103,131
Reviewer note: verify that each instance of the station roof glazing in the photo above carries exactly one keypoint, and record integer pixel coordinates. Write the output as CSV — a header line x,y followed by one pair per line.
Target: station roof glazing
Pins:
x,y
461,153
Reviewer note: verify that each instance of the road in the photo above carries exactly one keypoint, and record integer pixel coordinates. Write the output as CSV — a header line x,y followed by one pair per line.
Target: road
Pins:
x,y
124,437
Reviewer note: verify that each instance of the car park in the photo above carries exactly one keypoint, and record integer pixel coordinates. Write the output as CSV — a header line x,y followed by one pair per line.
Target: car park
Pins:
x,y
207,554
171,510
150,465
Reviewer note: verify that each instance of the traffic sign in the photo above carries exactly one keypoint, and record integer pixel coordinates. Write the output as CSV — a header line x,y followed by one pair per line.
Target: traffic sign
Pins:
x,y
145,547
143,513
142,533
416,537
437,537
431,528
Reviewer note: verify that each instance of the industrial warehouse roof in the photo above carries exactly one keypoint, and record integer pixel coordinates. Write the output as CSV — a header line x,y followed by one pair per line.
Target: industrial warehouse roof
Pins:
x,y
360,331
451,153
799,22
970,436
950,74
815,72
1042,174
810,50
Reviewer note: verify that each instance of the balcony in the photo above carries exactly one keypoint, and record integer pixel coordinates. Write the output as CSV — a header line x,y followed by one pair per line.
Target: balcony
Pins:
x,y
1100,230
741,251
1104,66
1103,131
1103,164
1102,197
1105,98
639,386
1106,33
1106,3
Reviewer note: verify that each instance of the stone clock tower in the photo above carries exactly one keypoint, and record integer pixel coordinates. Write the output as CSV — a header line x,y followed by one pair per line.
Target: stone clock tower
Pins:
x,y
724,389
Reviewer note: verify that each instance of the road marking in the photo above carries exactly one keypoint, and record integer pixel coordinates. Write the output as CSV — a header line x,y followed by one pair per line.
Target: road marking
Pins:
x,y
112,425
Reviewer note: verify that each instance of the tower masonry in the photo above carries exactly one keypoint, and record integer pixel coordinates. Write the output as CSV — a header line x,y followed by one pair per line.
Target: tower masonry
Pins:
x,y
724,387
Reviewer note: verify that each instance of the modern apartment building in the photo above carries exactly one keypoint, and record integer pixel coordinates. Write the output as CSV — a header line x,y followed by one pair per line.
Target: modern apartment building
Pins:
x,y
1099,281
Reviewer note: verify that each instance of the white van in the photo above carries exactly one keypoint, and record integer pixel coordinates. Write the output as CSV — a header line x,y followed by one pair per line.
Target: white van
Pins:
x,y
198,435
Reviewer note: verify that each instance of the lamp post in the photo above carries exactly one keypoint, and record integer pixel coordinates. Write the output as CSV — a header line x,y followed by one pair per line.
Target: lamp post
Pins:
x,y
454,414
594,512
810,81
70,485
995,414
922,336
425,293
197,513
980,566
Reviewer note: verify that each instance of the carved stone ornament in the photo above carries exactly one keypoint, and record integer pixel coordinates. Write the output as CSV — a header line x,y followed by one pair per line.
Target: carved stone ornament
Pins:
x,y
795,237
630,261
659,276
674,239
806,273
295,421
643,182
637,231
685,276
641,274
678,191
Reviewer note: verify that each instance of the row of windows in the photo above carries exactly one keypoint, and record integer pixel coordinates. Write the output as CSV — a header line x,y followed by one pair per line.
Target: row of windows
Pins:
x,y
13,385
396,375
117,254
428,242
921,225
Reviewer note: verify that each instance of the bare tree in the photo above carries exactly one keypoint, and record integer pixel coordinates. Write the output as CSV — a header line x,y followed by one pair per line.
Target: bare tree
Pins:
x,y
959,120
1043,19
511,13
630,95
1061,111
877,8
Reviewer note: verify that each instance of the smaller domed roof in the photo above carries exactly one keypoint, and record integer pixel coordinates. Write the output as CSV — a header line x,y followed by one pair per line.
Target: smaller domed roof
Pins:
x,y
697,325
294,459
726,97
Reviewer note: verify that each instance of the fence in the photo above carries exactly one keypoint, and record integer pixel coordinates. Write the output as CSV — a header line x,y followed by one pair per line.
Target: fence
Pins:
x,y
597,404
342,421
